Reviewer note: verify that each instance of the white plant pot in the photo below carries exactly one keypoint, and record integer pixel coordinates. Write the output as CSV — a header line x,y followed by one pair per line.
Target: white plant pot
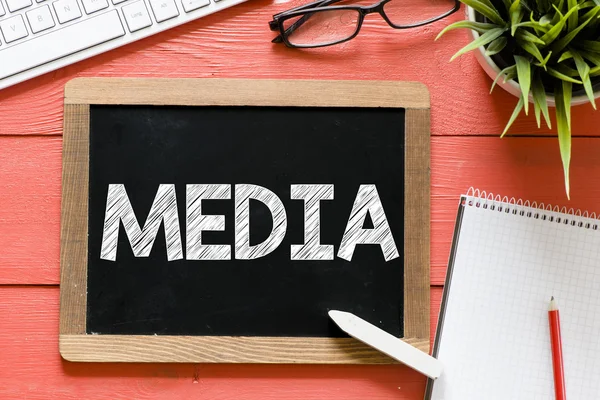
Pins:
x,y
511,86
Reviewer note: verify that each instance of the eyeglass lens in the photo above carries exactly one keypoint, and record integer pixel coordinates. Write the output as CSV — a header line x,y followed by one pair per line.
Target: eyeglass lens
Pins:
x,y
412,12
321,27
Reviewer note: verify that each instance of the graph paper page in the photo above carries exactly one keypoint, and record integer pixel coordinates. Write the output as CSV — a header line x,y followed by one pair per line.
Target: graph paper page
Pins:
x,y
495,341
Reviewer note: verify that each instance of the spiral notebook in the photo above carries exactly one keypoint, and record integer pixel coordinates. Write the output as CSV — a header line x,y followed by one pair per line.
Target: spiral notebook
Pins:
x,y
508,258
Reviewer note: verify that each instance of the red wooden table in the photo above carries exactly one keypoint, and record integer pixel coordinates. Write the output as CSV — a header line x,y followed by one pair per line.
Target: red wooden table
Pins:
x,y
465,151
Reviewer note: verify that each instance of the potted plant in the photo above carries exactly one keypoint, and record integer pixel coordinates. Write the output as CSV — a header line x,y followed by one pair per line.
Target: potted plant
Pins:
x,y
545,52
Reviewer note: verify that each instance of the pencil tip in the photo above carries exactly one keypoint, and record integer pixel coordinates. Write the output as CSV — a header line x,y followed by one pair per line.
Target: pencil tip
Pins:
x,y
552,306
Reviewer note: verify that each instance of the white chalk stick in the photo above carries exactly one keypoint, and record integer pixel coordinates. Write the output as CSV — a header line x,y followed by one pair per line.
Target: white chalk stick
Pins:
x,y
386,343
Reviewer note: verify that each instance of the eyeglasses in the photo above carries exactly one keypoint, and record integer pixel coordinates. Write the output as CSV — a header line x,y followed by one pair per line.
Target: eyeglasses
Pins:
x,y
320,24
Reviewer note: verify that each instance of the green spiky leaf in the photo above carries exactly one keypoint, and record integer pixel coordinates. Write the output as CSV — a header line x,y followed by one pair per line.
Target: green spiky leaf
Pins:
x,y
540,101
514,116
562,94
567,94
568,71
553,33
587,4
560,44
562,76
529,37
536,111
535,25
545,62
489,12
479,27
531,49
595,71
584,72
524,76
594,23
490,5
591,13
507,73
556,16
589,45
496,46
516,15
572,21
482,40
565,56
592,57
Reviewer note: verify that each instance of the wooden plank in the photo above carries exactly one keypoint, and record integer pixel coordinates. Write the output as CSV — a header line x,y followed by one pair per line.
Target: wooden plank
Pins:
x,y
416,224
218,349
33,368
30,170
244,92
235,43
74,219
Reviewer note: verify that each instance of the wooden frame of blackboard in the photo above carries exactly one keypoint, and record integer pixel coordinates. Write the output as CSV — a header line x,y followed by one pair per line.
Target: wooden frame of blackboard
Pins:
x,y
80,93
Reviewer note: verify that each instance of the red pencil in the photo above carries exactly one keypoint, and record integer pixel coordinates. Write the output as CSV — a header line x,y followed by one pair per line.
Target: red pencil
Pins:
x,y
557,357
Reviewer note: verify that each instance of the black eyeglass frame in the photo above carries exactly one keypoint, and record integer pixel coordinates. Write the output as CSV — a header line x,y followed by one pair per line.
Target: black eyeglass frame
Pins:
x,y
323,5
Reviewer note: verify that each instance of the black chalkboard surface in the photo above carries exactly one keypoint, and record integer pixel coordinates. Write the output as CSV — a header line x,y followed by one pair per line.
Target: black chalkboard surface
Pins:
x,y
142,147
217,221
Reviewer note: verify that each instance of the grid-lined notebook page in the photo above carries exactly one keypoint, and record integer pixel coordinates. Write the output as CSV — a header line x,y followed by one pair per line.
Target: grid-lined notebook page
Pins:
x,y
495,340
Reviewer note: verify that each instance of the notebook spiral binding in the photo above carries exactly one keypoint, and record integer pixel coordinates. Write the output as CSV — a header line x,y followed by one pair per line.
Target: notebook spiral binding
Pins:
x,y
524,208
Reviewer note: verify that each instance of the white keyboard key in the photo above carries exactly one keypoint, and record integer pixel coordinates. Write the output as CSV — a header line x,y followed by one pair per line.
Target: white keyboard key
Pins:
x,y
136,16
14,5
164,9
91,6
115,2
66,10
40,19
13,29
2,12
191,5
39,1
73,38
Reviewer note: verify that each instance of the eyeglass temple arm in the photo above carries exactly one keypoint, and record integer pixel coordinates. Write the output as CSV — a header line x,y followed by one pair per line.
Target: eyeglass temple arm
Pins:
x,y
305,6
274,25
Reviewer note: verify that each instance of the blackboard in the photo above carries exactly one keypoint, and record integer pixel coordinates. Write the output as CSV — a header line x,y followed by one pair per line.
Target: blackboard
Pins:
x,y
219,221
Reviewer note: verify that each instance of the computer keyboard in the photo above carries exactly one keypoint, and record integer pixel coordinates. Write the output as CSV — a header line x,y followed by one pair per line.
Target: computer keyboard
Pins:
x,y
39,36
